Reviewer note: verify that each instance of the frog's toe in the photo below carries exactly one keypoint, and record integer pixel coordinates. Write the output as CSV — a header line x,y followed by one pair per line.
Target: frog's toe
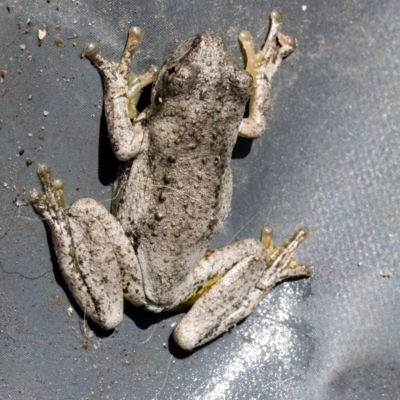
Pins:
x,y
135,35
37,201
288,45
288,40
50,204
276,16
90,50
275,24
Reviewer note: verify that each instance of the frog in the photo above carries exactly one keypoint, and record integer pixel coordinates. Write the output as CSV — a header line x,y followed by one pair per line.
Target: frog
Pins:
x,y
173,191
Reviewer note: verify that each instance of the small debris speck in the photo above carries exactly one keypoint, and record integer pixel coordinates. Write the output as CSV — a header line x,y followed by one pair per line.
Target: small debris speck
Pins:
x,y
45,113
3,73
304,8
22,47
41,35
384,273
19,203
58,40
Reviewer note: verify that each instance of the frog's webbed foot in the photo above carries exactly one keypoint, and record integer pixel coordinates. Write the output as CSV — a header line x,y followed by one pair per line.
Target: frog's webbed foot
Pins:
x,y
95,257
236,294
281,264
121,93
262,66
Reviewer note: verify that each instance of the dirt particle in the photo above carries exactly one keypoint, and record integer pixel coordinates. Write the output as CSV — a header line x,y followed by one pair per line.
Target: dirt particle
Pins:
x,y
58,40
41,35
384,273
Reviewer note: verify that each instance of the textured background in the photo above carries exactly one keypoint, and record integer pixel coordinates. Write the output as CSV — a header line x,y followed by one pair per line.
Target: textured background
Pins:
x,y
329,161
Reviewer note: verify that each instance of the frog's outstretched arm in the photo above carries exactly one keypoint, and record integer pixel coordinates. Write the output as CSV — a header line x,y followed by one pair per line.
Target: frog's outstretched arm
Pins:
x,y
121,91
262,66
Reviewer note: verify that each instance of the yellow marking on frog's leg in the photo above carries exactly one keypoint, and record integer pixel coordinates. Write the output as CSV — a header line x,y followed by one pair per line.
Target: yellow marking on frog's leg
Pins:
x,y
262,66
192,298
266,239
187,303
135,85
282,263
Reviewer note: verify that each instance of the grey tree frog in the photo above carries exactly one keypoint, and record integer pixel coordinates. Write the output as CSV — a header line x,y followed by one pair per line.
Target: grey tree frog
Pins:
x,y
174,191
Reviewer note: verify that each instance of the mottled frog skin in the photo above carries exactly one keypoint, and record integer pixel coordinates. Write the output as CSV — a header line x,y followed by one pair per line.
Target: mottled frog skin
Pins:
x,y
174,191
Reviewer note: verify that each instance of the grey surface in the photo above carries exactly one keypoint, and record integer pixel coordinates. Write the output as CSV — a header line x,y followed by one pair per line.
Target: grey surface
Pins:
x,y
329,161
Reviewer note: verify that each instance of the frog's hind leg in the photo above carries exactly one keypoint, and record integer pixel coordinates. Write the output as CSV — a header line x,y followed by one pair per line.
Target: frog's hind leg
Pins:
x,y
262,66
237,293
121,92
94,255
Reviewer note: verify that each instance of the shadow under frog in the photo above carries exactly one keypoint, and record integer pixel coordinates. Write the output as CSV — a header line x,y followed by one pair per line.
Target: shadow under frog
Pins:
x,y
173,192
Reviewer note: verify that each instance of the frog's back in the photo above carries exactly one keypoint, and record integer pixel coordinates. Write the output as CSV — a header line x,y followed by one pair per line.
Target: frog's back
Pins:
x,y
198,102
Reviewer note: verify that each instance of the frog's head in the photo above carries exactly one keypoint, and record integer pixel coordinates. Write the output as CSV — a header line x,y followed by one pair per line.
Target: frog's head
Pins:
x,y
202,69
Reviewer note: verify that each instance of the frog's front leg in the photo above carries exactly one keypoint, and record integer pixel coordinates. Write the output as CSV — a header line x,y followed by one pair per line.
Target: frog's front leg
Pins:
x,y
255,268
121,92
262,66
94,255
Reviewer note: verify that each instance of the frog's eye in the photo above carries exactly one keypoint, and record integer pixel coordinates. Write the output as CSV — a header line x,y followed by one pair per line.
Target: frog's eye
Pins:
x,y
181,78
172,80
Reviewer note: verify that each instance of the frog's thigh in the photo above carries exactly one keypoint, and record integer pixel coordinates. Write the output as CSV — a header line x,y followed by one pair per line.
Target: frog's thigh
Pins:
x,y
229,300
95,257
106,262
